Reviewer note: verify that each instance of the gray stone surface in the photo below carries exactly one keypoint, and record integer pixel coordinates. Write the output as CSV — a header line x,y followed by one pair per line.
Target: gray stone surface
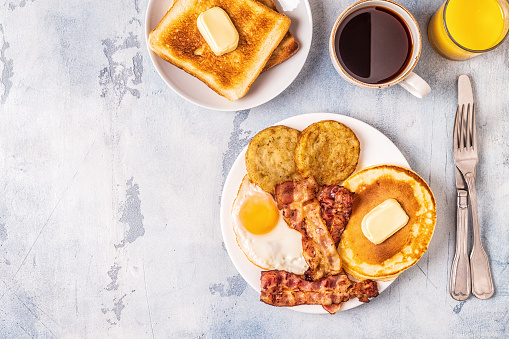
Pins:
x,y
110,185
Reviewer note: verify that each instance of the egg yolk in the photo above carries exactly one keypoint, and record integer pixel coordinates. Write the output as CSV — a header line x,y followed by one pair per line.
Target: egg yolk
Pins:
x,y
259,215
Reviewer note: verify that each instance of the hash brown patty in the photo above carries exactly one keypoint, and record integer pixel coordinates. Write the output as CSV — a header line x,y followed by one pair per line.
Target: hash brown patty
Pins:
x,y
270,157
328,151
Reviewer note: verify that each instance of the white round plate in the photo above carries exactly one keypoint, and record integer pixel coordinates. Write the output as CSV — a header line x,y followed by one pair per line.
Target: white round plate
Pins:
x,y
376,149
268,84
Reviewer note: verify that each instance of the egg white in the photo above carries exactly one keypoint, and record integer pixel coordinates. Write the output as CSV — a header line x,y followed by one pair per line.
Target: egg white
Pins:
x,y
279,249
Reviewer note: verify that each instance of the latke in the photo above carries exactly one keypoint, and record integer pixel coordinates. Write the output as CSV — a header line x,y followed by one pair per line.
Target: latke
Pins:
x,y
270,157
328,151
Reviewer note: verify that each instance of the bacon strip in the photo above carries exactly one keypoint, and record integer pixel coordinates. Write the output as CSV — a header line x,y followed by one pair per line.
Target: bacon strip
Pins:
x,y
281,288
301,211
336,202
332,308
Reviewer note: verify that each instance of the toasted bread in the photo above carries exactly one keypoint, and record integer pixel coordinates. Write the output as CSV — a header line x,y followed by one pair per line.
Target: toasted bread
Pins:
x,y
286,48
178,40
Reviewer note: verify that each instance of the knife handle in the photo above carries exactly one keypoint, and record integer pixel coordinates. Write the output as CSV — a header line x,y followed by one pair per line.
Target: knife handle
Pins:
x,y
460,283
482,281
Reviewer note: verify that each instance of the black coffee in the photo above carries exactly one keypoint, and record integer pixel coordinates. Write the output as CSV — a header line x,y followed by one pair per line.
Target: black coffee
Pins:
x,y
373,45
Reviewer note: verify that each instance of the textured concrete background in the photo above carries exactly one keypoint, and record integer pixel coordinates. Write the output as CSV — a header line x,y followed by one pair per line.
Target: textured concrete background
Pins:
x,y
110,184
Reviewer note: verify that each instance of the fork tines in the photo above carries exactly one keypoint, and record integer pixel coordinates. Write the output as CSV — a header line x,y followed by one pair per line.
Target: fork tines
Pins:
x,y
464,135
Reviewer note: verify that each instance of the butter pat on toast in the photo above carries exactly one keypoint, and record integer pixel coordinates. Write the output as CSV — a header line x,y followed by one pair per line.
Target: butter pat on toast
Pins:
x,y
178,40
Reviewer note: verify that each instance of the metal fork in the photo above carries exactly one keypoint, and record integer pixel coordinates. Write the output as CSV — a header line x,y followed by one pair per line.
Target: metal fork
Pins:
x,y
466,158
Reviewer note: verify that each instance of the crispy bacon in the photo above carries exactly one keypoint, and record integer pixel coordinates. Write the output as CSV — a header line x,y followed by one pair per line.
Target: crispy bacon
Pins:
x,y
336,202
332,308
301,211
281,288
364,290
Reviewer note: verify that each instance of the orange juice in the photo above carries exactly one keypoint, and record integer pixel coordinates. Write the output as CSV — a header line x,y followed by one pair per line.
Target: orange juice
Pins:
x,y
469,27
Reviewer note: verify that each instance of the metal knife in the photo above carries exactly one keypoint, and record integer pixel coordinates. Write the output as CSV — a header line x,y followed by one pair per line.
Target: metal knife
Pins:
x,y
460,281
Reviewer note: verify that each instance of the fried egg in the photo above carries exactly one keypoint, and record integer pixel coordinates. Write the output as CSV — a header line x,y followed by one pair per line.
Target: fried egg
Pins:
x,y
261,232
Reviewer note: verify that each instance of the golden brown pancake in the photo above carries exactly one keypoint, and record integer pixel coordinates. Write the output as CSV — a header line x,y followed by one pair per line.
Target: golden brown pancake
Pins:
x,y
386,261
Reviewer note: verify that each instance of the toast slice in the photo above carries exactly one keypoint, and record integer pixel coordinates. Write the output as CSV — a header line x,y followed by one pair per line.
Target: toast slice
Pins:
x,y
286,48
178,40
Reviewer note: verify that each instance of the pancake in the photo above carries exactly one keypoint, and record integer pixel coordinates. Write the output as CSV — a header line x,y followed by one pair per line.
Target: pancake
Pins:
x,y
372,186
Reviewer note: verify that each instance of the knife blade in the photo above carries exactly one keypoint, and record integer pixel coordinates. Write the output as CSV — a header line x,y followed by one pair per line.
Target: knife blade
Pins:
x,y
465,92
465,97
460,281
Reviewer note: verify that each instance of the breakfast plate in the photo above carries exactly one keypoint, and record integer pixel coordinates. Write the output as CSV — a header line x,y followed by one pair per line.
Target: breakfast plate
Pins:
x,y
267,86
376,149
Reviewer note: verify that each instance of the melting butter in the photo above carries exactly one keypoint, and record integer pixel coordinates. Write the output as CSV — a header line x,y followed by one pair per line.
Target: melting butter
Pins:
x,y
218,30
383,221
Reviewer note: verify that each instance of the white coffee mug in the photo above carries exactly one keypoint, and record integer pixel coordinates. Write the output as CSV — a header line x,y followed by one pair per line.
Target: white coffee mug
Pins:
x,y
407,79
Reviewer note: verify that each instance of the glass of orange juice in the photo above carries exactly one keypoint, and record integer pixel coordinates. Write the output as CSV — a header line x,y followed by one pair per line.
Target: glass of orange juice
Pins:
x,y
463,29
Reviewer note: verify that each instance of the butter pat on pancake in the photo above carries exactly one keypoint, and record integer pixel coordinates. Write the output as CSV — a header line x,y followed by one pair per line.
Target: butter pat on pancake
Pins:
x,y
327,151
372,186
270,157
383,221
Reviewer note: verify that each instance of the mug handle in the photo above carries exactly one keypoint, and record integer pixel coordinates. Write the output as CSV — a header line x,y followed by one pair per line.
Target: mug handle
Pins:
x,y
415,85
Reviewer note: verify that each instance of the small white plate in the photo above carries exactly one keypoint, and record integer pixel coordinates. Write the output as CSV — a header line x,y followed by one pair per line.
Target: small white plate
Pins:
x,y
266,87
376,149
